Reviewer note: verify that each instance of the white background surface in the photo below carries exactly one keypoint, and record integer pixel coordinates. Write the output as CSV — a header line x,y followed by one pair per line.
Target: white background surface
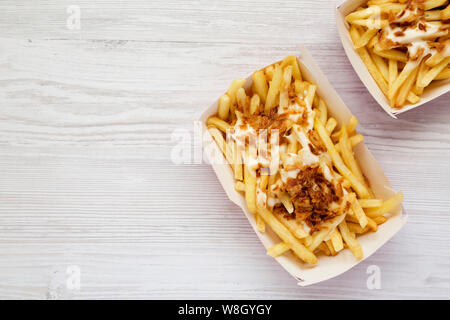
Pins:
x,y
85,176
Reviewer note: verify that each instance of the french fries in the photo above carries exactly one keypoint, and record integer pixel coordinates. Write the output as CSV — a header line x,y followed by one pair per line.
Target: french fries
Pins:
x,y
350,240
234,87
386,207
260,85
397,51
287,237
250,189
287,187
224,107
278,249
274,89
445,74
370,203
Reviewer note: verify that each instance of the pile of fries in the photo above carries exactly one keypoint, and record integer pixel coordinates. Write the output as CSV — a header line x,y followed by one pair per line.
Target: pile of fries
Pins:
x,y
405,45
308,186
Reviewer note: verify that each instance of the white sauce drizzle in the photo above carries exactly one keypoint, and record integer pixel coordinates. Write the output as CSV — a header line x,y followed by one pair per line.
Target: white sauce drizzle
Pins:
x,y
304,157
261,196
414,37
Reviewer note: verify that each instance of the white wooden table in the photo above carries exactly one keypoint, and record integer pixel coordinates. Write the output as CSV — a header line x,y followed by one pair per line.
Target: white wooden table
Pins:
x,y
86,181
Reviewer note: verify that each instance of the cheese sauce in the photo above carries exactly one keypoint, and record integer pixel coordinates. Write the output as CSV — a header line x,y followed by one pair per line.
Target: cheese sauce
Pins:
x,y
418,37
248,141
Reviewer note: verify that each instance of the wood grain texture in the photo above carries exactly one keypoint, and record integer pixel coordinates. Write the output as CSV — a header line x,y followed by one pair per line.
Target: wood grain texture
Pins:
x,y
86,118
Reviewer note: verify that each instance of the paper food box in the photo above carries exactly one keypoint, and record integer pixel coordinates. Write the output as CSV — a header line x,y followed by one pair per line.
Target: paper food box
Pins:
x,y
327,266
434,90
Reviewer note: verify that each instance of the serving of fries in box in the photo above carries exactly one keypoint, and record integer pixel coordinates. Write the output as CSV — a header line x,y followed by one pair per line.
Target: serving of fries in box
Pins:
x,y
296,165
399,48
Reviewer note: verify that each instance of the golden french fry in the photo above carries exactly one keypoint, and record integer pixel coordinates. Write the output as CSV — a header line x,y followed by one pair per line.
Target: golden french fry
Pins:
x,y
393,7
237,160
292,146
350,217
272,179
330,247
356,139
311,91
423,69
406,72
293,226
260,224
224,107
260,85
239,186
218,123
284,198
380,220
372,42
316,101
393,71
250,189
241,99
346,184
221,143
438,57
445,74
370,203
433,15
372,224
412,98
327,228
433,72
406,88
339,164
263,181
324,248
431,4
386,207
331,125
234,87
254,104
359,212
370,23
381,65
284,88
349,239
308,241
377,2
323,110
349,159
268,72
392,54
292,61
278,249
336,240
445,14
351,126
274,89
356,228
301,252
366,37
362,14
